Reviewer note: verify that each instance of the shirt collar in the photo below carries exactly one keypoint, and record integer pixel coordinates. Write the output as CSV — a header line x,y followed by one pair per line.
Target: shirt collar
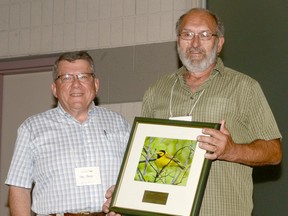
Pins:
x,y
219,67
91,111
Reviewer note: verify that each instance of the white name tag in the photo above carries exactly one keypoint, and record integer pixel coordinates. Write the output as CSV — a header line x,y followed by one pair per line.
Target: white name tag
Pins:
x,y
182,118
87,176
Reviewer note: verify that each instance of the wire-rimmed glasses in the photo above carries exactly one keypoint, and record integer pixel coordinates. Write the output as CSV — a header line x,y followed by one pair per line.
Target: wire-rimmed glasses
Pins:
x,y
203,35
69,78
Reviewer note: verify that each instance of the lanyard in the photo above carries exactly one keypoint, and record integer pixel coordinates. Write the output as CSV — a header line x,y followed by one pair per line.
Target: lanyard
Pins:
x,y
171,98
192,108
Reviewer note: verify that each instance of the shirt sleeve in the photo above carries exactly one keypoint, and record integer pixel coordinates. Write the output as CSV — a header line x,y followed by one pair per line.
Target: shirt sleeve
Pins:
x,y
20,171
146,105
262,124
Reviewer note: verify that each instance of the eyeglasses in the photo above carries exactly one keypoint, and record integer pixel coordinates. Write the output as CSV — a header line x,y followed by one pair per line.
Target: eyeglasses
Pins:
x,y
82,77
203,35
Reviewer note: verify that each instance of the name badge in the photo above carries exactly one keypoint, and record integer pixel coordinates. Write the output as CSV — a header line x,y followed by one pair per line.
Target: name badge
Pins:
x,y
87,176
182,118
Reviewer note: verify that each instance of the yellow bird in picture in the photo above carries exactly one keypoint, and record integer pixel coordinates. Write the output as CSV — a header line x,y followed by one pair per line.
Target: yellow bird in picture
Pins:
x,y
164,159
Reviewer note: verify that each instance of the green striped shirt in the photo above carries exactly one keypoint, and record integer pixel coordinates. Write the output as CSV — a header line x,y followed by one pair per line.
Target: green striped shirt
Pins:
x,y
229,95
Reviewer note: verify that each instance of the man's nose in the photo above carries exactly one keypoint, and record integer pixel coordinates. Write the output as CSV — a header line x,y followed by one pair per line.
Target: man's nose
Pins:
x,y
195,41
75,81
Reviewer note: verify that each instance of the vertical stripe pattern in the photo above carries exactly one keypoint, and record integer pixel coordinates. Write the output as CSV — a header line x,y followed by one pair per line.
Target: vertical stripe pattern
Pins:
x,y
228,95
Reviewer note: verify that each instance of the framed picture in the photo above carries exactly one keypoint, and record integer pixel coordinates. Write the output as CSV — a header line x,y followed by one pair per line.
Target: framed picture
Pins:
x,y
163,172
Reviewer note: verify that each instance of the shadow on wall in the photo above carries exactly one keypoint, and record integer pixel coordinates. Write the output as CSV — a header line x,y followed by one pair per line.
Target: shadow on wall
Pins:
x,y
267,173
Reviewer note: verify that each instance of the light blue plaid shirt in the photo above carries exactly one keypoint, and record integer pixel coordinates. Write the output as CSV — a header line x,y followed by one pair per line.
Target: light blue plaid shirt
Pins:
x,y
52,144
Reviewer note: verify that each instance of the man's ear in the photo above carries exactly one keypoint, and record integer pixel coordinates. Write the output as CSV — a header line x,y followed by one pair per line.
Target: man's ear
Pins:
x,y
96,83
53,88
220,44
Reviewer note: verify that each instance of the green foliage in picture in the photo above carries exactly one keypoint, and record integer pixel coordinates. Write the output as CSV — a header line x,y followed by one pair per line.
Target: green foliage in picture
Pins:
x,y
165,161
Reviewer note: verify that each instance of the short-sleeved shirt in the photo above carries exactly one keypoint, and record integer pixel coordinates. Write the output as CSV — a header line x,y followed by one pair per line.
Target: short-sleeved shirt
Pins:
x,y
229,95
52,144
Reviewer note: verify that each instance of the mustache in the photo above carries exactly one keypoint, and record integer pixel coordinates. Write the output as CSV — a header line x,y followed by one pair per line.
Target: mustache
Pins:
x,y
193,49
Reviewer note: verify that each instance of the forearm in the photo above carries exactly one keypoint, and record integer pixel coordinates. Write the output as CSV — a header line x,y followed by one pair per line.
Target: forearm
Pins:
x,y
19,201
258,153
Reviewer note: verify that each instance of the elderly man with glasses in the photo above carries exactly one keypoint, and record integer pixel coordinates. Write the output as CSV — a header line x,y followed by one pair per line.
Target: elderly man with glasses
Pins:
x,y
67,157
205,90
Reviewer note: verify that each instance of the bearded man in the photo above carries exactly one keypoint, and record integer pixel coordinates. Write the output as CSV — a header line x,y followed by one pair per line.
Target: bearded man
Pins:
x,y
205,90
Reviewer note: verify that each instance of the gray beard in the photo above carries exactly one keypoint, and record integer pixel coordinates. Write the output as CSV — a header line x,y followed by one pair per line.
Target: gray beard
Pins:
x,y
200,66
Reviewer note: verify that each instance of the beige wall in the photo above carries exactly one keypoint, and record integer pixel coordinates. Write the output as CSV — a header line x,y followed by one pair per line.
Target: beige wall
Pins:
x,y
23,95
50,26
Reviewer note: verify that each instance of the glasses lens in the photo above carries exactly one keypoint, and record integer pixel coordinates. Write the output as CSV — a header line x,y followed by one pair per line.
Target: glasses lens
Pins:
x,y
187,35
205,35
85,77
65,78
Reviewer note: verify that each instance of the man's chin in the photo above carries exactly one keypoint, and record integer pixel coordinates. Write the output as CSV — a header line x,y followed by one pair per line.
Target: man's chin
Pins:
x,y
196,59
196,67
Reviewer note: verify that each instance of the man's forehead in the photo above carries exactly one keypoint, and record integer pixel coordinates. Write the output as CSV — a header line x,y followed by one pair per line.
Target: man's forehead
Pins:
x,y
198,19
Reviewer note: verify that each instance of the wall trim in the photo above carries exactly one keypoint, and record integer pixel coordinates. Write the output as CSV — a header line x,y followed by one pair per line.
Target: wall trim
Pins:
x,y
27,64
